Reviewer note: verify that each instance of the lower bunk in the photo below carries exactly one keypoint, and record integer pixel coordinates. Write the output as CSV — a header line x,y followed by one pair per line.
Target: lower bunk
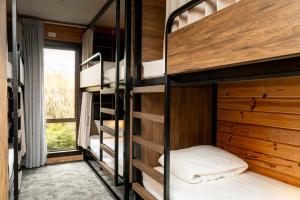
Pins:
x,y
247,185
254,121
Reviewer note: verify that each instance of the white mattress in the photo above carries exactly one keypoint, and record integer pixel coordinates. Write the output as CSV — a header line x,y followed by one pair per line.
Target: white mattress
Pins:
x,y
95,146
247,186
154,69
10,68
10,161
92,76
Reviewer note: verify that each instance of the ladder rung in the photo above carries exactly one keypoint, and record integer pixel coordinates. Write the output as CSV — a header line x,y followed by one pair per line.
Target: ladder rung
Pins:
x,y
148,116
92,89
148,170
107,130
150,89
108,91
108,150
142,191
107,111
144,142
106,168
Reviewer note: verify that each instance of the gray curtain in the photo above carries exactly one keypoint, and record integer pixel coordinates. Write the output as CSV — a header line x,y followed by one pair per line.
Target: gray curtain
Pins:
x,y
33,47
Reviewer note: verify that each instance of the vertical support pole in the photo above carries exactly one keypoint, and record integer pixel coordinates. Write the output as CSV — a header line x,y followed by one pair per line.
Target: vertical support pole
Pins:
x,y
128,87
117,92
167,138
101,116
214,114
15,98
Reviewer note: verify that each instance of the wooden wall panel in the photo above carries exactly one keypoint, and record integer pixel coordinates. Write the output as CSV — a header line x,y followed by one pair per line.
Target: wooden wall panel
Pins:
x,y
3,105
247,31
190,119
63,33
260,122
153,23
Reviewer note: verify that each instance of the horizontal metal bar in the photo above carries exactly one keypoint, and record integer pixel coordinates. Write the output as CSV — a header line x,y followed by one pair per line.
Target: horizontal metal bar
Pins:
x,y
150,89
148,82
107,130
108,150
149,144
98,54
64,120
148,116
107,111
148,170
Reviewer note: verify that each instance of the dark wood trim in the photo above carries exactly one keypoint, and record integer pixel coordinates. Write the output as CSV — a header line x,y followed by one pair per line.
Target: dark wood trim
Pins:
x,y
64,153
61,120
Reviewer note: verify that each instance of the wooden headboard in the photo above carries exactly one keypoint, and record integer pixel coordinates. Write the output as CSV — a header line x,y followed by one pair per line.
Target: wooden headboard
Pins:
x,y
260,122
190,119
153,26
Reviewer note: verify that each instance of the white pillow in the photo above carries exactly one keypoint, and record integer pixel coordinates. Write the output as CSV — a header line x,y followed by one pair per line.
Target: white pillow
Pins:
x,y
204,163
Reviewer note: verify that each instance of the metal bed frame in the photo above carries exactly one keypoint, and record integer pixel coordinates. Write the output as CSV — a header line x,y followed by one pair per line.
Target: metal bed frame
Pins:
x,y
284,67
117,92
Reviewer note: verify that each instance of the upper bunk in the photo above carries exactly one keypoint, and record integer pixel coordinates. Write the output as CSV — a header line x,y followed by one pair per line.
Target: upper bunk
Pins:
x,y
246,32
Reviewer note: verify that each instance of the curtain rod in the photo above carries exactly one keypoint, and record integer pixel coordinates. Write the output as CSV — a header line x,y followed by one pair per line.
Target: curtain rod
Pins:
x,y
54,22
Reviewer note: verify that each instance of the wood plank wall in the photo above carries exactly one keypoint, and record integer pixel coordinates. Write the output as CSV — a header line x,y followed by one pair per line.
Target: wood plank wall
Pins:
x,y
260,122
190,122
63,33
153,23
3,105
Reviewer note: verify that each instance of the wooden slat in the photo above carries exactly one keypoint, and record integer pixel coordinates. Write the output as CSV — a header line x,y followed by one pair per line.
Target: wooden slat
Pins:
x,y
151,145
64,159
273,24
280,88
108,150
278,150
148,170
92,89
107,111
142,192
285,136
3,104
108,91
106,168
287,121
280,165
107,130
150,117
289,106
149,89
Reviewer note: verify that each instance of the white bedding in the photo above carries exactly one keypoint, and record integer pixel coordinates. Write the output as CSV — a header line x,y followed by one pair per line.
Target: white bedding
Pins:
x,y
10,68
247,186
95,146
154,69
10,161
92,76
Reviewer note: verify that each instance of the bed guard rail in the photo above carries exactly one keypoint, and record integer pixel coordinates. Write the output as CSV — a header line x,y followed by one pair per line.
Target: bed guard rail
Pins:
x,y
98,54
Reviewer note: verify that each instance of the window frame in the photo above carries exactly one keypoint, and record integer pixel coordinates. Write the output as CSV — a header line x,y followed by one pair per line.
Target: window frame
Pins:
x,y
60,45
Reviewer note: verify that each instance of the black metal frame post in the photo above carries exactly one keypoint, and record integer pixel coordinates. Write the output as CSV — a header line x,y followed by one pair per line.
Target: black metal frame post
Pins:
x,y
15,98
128,87
117,92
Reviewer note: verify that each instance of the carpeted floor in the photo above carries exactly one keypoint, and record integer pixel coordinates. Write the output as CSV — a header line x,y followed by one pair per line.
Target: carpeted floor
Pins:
x,y
69,181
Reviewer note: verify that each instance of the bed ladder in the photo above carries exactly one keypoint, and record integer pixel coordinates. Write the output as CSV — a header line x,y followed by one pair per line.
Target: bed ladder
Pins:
x,y
138,142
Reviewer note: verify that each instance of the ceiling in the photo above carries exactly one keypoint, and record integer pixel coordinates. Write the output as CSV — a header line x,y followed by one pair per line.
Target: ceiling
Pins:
x,y
70,11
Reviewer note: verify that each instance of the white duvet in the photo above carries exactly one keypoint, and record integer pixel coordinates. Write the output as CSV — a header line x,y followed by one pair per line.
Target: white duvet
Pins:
x,y
247,186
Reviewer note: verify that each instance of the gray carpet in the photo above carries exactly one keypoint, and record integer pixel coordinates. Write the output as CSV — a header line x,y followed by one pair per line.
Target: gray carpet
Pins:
x,y
69,181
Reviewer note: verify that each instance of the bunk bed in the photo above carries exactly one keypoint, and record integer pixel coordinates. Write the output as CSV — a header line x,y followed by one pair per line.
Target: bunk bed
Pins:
x,y
16,127
223,52
109,80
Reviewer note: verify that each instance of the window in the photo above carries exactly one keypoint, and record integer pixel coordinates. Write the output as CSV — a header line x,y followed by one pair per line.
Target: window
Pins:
x,y
59,97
